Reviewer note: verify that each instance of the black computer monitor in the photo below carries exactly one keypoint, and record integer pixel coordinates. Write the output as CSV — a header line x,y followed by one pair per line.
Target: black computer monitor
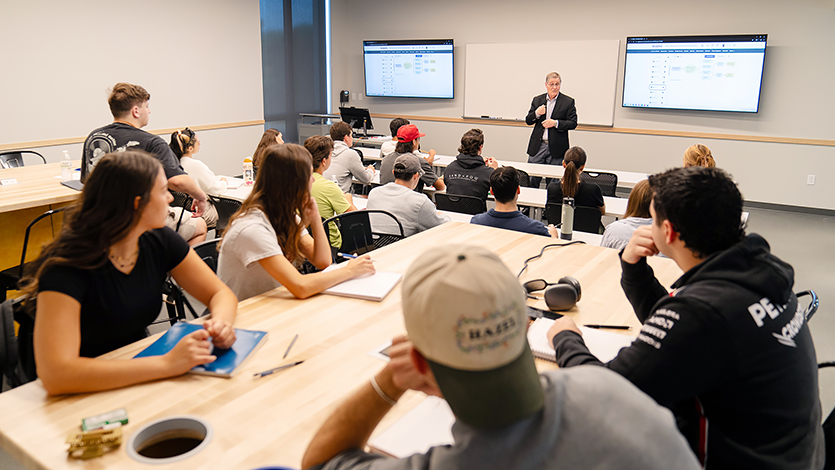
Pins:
x,y
358,118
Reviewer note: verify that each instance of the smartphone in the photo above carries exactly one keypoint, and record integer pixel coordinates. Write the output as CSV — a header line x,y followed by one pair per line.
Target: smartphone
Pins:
x,y
535,313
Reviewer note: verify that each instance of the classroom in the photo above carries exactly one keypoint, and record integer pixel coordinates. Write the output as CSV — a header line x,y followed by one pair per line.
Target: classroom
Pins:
x,y
202,64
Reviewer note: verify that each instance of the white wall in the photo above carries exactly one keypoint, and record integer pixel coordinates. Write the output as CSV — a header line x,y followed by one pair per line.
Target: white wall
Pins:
x,y
797,100
200,60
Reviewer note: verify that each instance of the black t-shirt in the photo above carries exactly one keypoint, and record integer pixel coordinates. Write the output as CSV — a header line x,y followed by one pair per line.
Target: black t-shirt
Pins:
x,y
118,137
116,307
588,194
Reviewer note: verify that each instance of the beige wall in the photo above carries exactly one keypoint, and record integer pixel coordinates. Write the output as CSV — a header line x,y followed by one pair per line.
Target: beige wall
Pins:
x,y
796,101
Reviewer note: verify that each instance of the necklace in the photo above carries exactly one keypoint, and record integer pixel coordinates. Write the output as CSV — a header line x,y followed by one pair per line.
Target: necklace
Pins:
x,y
124,262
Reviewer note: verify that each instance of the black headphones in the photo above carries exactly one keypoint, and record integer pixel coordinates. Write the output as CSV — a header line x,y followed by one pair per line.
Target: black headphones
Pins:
x,y
563,295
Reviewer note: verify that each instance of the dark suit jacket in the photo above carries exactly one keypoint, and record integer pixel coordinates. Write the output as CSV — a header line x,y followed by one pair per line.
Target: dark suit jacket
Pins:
x,y
565,113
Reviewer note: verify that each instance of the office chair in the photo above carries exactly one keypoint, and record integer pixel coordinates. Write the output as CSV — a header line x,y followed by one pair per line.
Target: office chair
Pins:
x,y
358,235
524,178
459,203
14,158
208,252
608,182
9,277
17,352
586,219
183,201
226,208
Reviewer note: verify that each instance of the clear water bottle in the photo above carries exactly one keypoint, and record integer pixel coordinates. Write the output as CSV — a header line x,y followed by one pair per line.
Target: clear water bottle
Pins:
x,y
248,177
66,167
567,218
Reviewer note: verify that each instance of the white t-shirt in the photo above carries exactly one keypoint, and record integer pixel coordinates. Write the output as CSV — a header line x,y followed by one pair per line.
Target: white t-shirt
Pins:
x,y
248,240
205,177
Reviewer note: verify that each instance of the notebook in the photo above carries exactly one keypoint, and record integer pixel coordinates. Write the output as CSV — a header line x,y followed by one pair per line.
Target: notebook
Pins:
x,y
374,287
603,344
228,360
233,183
427,425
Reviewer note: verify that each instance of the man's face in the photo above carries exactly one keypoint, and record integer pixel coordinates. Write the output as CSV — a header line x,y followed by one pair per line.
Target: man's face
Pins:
x,y
144,113
553,86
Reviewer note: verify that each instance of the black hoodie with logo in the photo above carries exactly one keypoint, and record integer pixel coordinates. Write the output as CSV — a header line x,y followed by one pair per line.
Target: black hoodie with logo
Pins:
x,y
468,175
729,352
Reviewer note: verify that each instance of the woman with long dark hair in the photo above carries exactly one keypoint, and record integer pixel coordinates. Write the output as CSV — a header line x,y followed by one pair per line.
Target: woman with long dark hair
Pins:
x,y
98,285
269,138
266,240
637,214
585,195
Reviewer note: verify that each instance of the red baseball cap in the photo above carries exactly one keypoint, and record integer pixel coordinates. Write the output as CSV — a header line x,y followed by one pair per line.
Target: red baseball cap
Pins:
x,y
408,133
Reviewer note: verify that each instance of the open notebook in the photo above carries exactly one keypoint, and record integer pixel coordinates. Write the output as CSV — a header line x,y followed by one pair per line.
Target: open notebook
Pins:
x,y
374,287
603,344
228,360
427,425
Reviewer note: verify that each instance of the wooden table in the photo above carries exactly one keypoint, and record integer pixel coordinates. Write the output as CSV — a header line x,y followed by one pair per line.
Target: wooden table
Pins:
x,y
270,421
38,190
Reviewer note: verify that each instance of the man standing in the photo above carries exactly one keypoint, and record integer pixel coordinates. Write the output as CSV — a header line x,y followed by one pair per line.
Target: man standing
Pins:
x,y
728,350
555,113
129,105
466,318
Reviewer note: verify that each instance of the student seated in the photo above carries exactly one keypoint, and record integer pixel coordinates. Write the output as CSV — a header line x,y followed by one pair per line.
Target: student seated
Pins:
x,y
266,240
618,233
698,155
414,210
389,146
728,350
269,138
469,174
504,182
98,285
466,319
330,199
584,194
346,164
408,141
184,144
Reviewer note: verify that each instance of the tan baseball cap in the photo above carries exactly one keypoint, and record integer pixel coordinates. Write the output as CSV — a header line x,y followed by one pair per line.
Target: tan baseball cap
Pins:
x,y
465,312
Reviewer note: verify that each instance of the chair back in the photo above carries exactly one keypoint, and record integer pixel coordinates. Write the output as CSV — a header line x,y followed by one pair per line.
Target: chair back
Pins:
x,y
358,233
181,200
226,208
208,252
14,158
524,178
608,182
17,352
385,228
459,203
829,431
586,219
9,277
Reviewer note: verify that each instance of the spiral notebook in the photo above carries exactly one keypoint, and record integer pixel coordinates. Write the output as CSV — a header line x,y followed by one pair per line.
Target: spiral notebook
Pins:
x,y
603,344
228,360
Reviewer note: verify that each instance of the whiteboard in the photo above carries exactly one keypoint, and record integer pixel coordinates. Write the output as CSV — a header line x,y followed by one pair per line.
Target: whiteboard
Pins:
x,y
501,79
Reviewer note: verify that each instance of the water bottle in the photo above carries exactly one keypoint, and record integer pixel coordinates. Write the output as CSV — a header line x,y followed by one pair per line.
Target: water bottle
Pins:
x,y
248,180
567,218
66,167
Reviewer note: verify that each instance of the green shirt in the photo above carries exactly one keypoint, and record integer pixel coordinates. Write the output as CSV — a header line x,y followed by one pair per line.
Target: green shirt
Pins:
x,y
331,202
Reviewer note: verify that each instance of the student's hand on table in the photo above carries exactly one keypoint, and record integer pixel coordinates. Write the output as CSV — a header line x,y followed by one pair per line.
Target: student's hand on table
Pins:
x,y
405,376
640,245
197,208
541,110
553,231
193,350
431,158
223,333
361,266
371,167
562,324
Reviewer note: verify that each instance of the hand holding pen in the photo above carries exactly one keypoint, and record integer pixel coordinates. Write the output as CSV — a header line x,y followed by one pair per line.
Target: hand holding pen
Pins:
x,y
358,266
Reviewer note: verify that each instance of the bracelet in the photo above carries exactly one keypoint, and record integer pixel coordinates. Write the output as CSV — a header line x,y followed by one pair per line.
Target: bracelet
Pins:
x,y
381,393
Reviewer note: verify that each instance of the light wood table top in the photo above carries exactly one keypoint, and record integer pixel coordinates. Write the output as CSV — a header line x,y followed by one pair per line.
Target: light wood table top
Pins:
x,y
37,185
270,421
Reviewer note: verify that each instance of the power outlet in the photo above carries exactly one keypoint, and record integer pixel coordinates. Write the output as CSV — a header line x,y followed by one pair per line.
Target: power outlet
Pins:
x,y
810,180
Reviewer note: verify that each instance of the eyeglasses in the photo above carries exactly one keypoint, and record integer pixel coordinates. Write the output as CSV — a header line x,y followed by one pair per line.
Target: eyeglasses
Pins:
x,y
552,85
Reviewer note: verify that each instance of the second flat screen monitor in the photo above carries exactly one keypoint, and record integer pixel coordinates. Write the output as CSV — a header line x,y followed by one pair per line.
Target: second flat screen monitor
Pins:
x,y
409,68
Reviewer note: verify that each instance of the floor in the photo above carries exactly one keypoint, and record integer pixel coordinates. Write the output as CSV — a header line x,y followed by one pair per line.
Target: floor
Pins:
x,y
803,241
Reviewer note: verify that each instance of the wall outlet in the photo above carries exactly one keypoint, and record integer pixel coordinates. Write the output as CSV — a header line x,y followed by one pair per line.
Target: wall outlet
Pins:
x,y
354,96
810,180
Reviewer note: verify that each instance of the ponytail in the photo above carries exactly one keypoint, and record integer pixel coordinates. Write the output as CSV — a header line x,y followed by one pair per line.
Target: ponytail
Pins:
x,y
575,158
181,140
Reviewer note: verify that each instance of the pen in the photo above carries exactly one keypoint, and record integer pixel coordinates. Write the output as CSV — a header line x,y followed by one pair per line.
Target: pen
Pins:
x,y
268,372
346,255
291,345
610,327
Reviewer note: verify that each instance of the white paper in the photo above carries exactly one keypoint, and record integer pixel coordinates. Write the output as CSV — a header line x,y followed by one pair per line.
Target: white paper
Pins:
x,y
427,425
603,344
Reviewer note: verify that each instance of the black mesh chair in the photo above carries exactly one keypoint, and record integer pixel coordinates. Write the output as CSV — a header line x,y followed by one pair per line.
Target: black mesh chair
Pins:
x,y
524,178
9,277
183,201
358,236
586,219
17,352
458,203
208,252
14,158
225,207
608,182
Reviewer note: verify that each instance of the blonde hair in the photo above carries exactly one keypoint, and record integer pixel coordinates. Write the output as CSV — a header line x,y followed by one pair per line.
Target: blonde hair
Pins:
x,y
698,155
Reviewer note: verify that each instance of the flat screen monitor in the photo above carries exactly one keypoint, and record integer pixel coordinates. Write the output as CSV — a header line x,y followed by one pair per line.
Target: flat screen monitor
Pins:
x,y
409,68
358,118
713,73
